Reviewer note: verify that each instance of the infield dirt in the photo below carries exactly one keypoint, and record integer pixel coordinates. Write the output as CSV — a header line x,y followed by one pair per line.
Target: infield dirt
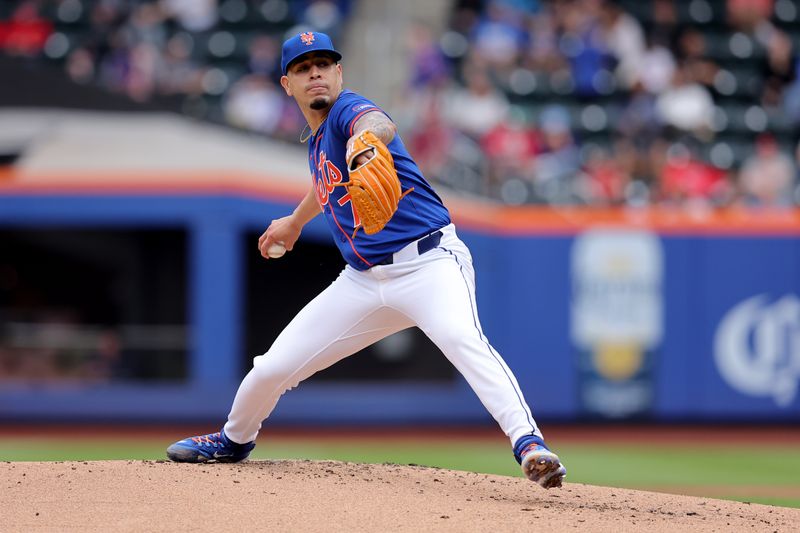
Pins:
x,y
335,496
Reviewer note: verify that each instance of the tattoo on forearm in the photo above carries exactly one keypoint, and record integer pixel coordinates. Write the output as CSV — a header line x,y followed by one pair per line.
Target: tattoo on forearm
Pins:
x,y
377,123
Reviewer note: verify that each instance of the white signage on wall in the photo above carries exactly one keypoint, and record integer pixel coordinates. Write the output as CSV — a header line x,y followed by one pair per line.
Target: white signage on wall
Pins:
x,y
617,288
757,347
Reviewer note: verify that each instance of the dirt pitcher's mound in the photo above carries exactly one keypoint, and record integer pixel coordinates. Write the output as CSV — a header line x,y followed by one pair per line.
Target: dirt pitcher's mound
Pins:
x,y
334,496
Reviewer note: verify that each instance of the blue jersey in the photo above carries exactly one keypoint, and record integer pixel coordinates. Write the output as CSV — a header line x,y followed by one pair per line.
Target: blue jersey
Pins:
x,y
419,213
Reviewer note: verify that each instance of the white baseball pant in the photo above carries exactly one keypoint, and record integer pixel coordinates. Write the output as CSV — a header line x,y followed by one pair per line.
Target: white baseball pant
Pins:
x,y
434,291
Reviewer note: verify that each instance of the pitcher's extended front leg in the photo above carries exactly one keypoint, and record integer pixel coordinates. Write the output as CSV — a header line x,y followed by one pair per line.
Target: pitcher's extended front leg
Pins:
x,y
342,320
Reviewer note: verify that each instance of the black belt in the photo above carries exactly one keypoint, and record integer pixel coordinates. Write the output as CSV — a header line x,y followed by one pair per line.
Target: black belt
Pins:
x,y
425,244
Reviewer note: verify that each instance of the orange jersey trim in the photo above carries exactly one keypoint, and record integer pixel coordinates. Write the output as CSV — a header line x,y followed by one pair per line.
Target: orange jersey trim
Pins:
x,y
346,236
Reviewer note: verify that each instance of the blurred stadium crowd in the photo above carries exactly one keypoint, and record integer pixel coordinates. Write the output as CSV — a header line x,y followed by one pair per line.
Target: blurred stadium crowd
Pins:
x,y
558,102
608,103
213,60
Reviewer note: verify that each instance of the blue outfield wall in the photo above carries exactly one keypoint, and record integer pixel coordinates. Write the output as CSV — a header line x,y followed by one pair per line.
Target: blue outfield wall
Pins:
x,y
709,331
710,282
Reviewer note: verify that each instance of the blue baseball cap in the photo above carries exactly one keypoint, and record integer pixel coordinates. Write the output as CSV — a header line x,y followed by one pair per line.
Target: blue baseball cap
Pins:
x,y
303,43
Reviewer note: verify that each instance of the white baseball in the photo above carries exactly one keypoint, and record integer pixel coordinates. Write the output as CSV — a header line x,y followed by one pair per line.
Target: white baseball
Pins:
x,y
276,250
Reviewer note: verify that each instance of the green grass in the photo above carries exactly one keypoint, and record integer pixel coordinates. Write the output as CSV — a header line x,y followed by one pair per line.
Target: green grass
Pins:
x,y
780,502
684,465
649,467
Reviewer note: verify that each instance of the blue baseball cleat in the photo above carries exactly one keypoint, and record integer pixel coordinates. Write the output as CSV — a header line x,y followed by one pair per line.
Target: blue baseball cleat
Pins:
x,y
214,447
538,463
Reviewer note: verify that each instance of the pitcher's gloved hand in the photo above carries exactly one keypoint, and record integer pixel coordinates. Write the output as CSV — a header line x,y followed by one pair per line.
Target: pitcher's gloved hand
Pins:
x,y
373,185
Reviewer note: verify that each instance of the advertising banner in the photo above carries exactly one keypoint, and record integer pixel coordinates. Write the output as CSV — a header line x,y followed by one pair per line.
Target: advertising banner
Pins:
x,y
616,319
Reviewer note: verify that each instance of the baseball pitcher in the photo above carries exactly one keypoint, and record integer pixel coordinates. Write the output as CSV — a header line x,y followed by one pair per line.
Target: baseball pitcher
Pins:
x,y
405,267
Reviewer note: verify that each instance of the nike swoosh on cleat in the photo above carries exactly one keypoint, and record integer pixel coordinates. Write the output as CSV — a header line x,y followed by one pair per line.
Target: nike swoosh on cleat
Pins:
x,y
218,455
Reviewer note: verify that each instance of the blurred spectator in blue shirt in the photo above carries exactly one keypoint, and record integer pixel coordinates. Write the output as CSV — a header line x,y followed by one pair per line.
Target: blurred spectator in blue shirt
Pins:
x,y
428,63
499,36
263,57
557,166
583,44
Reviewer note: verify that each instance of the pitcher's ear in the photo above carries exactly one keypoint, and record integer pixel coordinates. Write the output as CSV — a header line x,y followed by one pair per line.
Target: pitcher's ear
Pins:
x,y
285,85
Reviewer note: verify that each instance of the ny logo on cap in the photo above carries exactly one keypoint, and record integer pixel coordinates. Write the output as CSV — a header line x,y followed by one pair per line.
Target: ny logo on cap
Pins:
x,y
307,38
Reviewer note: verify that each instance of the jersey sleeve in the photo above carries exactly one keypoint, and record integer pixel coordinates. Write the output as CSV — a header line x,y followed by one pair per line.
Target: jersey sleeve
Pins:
x,y
348,110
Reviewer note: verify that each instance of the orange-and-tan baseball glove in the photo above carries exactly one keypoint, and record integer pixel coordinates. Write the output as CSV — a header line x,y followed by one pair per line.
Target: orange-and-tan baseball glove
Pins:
x,y
373,186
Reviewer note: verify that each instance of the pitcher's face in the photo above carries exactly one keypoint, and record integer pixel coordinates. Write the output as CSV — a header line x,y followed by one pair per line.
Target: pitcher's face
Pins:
x,y
314,81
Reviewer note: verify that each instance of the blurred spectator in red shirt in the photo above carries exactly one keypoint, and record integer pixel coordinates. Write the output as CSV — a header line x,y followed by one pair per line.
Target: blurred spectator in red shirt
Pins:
x,y
747,14
510,148
430,138
26,31
685,178
606,177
